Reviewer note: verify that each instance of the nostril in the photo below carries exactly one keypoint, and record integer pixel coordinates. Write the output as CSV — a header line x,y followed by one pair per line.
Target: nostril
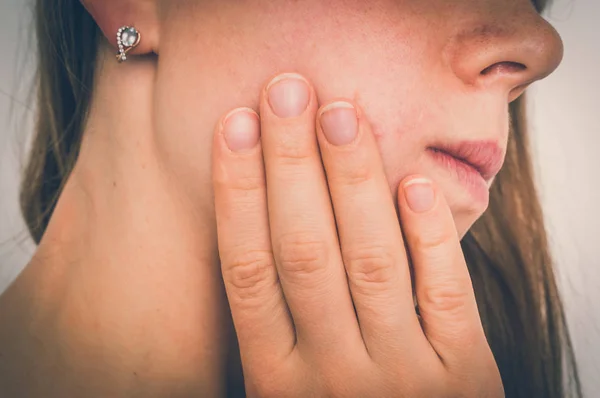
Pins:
x,y
503,68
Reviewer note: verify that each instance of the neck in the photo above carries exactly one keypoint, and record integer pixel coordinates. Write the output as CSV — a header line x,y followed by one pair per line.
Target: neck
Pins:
x,y
125,196
132,240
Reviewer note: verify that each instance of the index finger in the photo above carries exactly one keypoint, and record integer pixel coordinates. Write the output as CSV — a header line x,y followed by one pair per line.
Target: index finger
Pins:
x,y
260,315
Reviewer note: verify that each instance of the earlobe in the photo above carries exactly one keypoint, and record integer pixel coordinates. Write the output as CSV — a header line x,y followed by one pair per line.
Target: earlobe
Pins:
x,y
114,15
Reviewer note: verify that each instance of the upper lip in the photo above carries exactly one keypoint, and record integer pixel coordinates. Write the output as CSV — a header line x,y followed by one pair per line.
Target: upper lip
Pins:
x,y
486,157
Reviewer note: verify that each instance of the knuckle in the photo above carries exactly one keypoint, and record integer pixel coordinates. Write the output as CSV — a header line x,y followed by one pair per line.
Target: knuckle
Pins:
x,y
249,272
292,157
435,238
301,254
449,296
352,175
244,179
293,150
248,184
370,266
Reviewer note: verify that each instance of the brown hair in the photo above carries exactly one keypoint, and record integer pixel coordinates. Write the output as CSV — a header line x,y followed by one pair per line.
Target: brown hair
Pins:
x,y
506,250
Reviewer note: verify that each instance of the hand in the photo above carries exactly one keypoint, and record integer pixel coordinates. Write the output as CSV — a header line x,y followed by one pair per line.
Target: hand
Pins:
x,y
325,312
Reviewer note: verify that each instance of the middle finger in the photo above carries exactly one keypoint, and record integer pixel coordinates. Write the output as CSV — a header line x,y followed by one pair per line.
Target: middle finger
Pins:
x,y
303,231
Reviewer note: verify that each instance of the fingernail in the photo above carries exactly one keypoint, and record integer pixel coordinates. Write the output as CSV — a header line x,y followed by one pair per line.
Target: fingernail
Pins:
x,y
241,129
419,195
339,123
288,95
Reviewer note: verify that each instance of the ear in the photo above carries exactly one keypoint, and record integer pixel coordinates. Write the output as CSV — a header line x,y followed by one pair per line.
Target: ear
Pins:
x,y
110,15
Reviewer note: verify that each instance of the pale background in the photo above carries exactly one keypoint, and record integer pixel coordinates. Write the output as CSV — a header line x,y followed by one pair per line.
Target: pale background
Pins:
x,y
565,119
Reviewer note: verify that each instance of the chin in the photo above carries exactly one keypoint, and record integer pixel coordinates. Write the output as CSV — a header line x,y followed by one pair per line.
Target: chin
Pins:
x,y
467,213
465,210
463,228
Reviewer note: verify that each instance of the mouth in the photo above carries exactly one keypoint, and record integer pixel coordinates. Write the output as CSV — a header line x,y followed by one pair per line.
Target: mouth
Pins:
x,y
474,164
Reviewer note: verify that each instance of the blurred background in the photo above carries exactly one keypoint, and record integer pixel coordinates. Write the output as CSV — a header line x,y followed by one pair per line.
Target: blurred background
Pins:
x,y
565,127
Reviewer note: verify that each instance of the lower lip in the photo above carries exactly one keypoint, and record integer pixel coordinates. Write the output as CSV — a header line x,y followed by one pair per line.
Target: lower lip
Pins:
x,y
468,176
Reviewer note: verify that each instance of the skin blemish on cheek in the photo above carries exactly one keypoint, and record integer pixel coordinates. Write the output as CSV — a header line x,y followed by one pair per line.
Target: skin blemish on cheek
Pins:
x,y
376,128
377,131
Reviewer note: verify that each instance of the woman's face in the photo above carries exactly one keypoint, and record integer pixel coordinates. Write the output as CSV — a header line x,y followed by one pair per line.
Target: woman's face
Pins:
x,y
428,74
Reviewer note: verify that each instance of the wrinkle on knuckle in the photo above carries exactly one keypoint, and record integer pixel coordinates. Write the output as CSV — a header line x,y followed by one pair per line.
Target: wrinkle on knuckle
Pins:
x,y
370,266
293,152
248,184
250,272
450,296
301,254
434,239
246,181
352,176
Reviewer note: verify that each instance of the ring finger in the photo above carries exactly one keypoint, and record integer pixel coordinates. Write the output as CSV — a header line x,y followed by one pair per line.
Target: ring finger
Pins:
x,y
370,235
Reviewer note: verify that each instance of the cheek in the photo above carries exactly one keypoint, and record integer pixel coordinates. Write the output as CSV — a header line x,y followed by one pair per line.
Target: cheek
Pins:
x,y
403,141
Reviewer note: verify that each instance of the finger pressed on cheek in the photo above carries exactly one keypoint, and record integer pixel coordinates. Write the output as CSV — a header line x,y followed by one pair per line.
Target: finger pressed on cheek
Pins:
x,y
288,95
241,129
419,194
339,123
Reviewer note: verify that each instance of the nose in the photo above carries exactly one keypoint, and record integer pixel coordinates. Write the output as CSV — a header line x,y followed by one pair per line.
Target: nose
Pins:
x,y
506,49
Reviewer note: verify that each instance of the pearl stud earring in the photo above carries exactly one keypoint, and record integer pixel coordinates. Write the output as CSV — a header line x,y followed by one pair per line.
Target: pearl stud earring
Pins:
x,y
128,38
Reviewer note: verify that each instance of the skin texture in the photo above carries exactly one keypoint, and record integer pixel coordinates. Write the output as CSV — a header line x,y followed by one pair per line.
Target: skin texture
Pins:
x,y
124,295
318,315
